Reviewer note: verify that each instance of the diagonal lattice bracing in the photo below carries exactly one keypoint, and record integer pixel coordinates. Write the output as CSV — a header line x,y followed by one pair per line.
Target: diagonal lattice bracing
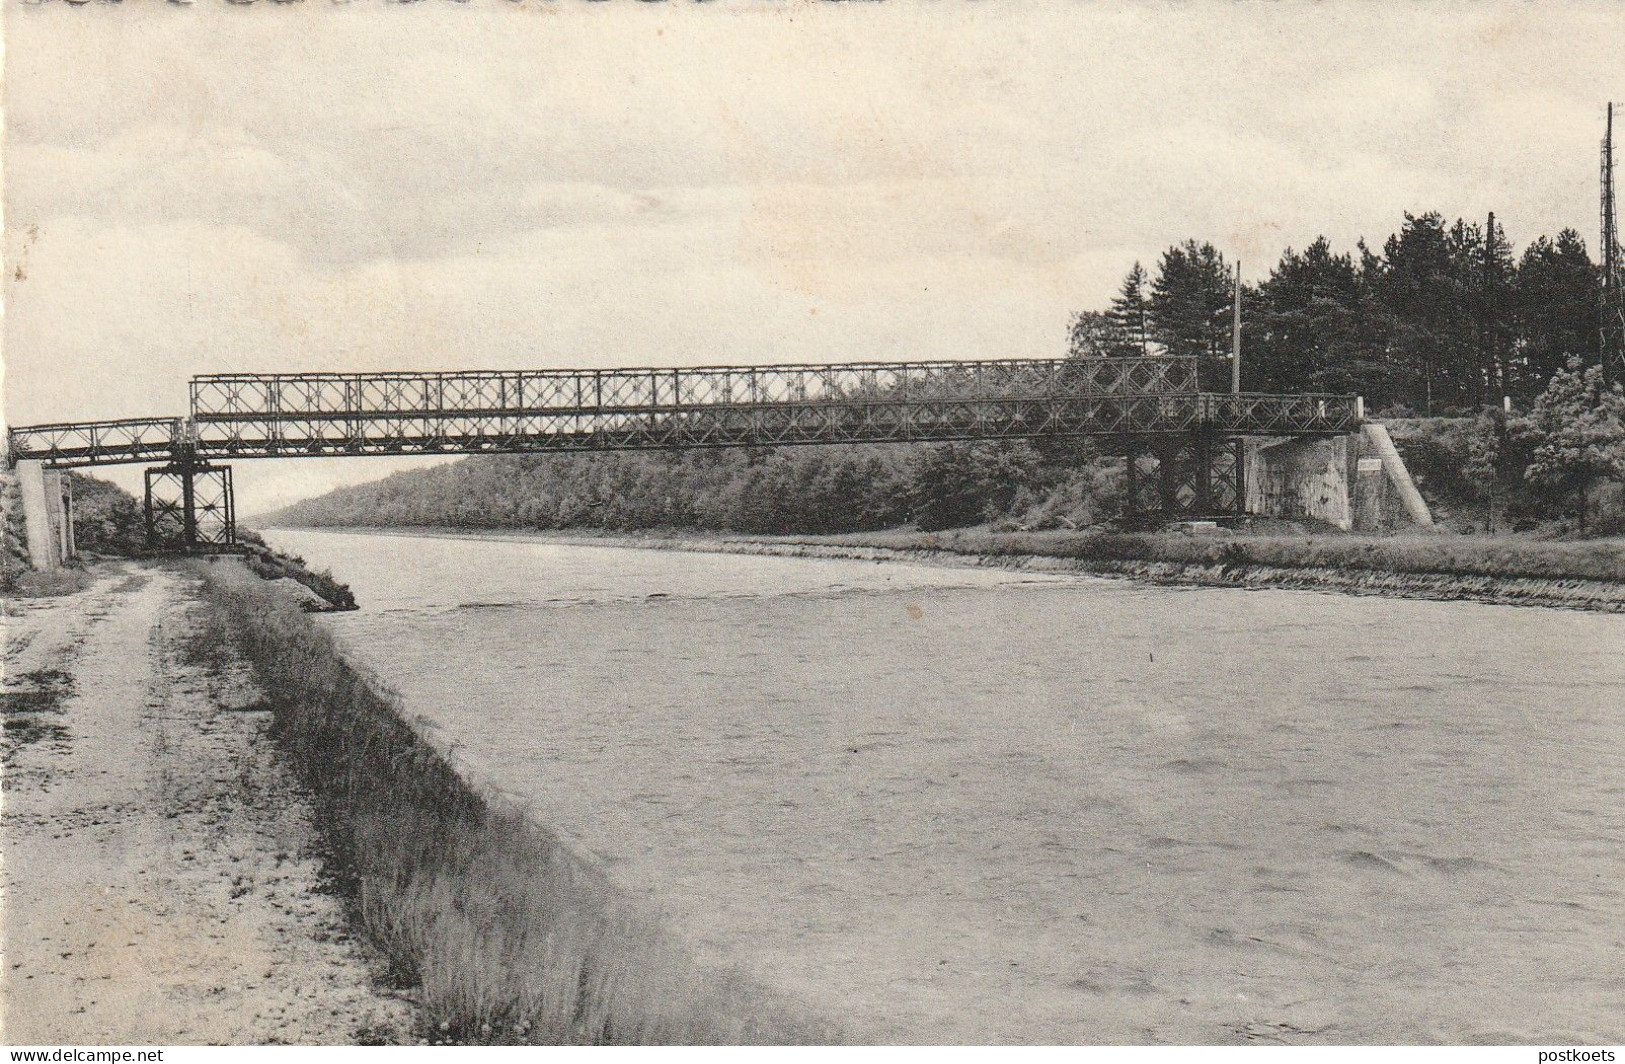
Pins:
x,y
259,415
1199,475
718,406
85,443
293,395
190,507
770,424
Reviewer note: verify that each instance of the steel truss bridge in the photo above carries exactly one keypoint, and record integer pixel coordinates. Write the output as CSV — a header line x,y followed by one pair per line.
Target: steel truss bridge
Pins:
x,y
1182,443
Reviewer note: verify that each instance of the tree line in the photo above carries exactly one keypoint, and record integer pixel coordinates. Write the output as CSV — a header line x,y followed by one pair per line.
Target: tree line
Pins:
x,y
1443,319
765,491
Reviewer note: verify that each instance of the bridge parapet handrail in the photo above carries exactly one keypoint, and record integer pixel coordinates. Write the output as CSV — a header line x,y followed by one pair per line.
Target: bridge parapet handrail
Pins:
x,y
886,420
349,396
1266,414
95,442
257,415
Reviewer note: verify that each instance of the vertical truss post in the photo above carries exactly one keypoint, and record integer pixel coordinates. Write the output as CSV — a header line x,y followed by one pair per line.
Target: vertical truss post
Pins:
x,y
188,474
70,546
1151,478
1167,482
1202,474
1239,448
1131,474
165,525
148,514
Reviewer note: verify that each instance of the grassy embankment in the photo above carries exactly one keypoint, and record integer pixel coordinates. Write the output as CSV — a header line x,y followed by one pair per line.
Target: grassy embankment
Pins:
x,y
270,564
1512,557
1442,555
506,935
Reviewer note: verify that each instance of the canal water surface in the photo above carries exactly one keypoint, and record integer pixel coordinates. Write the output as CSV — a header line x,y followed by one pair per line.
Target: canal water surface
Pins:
x,y
960,805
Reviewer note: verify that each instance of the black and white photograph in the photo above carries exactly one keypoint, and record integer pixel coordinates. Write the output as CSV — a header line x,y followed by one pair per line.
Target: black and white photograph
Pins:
x,y
857,524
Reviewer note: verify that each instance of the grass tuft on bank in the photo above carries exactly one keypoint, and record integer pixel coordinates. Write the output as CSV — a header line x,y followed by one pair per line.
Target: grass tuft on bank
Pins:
x,y
504,934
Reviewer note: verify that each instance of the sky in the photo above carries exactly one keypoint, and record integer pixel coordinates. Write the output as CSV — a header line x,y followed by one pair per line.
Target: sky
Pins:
x,y
551,183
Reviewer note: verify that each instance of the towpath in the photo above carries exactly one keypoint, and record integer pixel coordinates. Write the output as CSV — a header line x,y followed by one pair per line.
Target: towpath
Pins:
x,y
160,879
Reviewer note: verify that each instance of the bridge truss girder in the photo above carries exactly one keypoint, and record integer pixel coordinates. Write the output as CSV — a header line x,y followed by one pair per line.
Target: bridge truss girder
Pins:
x,y
654,390
142,439
784,424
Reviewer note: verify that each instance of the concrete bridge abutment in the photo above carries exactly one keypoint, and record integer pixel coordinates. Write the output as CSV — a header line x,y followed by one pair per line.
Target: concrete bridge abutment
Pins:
x,y
1356,482
47,499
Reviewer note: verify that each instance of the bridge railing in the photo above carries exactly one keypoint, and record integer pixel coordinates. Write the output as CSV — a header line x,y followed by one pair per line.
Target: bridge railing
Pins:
x,y
1268,415
95,442
349,396
771,424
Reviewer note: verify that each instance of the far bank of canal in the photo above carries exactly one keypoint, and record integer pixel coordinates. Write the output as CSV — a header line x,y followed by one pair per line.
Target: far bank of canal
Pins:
x,y
963,805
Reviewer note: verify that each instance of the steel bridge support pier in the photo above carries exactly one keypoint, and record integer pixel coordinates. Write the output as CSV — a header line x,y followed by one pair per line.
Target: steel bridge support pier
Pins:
x,y
1194,475
190,506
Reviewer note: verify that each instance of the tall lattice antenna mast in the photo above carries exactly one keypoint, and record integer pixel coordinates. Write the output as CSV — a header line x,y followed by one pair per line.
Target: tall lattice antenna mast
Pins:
x,y
1612,336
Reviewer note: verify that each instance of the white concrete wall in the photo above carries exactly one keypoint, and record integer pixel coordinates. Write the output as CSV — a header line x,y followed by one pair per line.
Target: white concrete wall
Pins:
x,y
45,515
31,482
1374,508
1300,478
1351,482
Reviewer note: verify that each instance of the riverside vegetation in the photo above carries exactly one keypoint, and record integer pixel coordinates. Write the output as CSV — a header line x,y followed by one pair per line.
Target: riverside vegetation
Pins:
x,y
503,934
1418,555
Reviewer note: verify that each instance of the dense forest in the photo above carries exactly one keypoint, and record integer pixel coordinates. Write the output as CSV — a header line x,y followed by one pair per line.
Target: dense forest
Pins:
x,y
810,490
1434,330
1443,320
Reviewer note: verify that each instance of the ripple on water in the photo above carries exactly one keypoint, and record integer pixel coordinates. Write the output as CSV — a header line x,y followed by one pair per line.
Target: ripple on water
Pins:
x,y
840,798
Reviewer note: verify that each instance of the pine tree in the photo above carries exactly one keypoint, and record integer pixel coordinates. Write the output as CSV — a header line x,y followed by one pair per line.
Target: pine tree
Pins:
x,y
1440,319
1303,321
1497,314
1192,289
1556,296
1419,293
1131,312
1461,369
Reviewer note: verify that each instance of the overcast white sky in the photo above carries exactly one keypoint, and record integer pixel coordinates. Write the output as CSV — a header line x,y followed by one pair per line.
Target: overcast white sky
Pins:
x,y
554,183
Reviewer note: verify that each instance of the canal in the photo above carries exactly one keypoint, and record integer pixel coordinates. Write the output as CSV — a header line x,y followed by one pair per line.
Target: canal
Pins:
x,y
963,805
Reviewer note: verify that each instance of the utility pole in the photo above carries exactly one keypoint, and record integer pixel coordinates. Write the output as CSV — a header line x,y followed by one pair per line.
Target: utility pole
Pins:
x,y
1489,376
1612,333
1235,335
